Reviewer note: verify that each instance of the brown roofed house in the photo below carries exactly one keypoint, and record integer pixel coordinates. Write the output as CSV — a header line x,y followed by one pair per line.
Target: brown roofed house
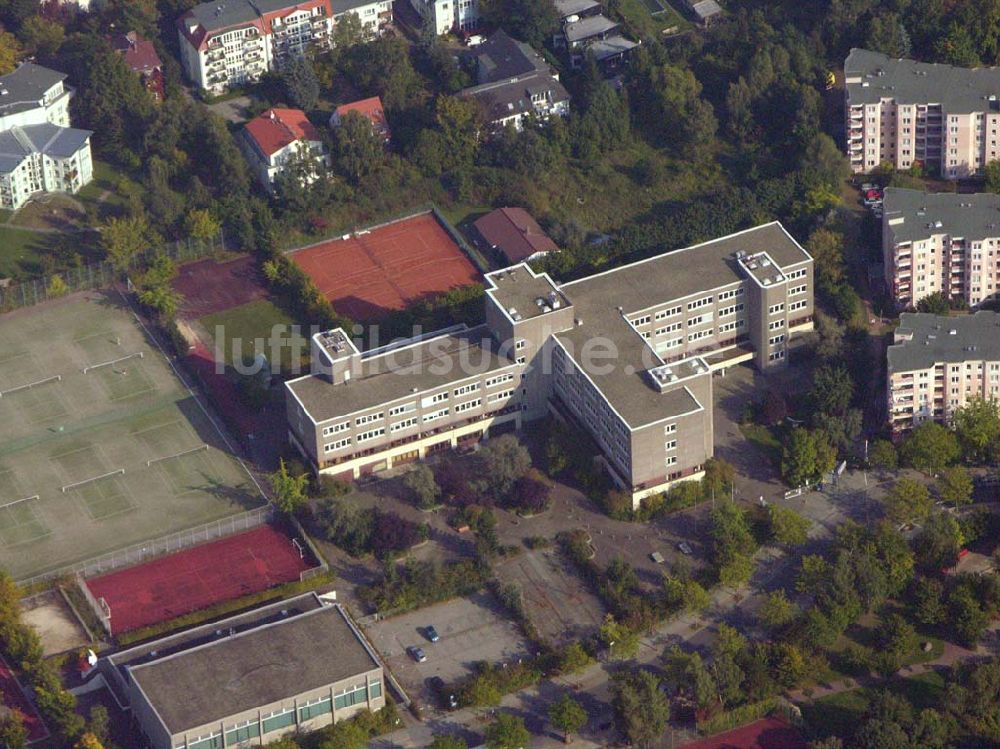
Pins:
x,y
514,234
140,55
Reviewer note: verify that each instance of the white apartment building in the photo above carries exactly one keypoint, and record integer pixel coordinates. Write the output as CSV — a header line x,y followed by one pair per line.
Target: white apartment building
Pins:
x,y
233,42
905,112
275,137
39,152
946,243
938,364
31,95
449,15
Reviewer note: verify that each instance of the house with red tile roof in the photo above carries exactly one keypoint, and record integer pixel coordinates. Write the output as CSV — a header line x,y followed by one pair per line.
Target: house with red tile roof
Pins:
x,y
140,55
371,109
272,140
513,233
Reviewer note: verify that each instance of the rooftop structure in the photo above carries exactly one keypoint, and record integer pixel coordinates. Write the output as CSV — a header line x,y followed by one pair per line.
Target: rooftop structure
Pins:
x,y
567,8
590,27
706,11
515,234
371,109
294,664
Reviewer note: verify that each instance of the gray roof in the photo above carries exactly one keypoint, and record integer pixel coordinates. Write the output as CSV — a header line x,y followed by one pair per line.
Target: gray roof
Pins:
x,y
508,98
343,6
253,668
652,282
937,338
588,27
58,142
705,9
26,86
566,8
602,49
968,216
501,58
222,14
393,375
958,90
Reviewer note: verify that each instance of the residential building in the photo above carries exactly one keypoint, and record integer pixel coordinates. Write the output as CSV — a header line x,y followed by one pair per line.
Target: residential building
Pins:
x,y
295,665
514,82
141,57
904,112
626,355
706,12
513,234
445,16
275,138
31,95
371,109
230,43
42,158
941,243
585,31
937,364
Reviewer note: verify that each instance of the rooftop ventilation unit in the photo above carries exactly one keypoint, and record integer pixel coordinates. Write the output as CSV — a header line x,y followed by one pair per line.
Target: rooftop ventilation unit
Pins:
x,y
766,282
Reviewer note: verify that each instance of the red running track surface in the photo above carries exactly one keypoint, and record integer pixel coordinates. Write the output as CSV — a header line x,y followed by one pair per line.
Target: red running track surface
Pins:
x,y
14,697
196,578
769,733
388,268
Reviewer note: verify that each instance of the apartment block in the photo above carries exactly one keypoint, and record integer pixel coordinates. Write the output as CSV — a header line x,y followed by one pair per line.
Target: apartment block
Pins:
x,y
937,364
626,355
445,16
233,42
32,95
296,665
904,112
947,243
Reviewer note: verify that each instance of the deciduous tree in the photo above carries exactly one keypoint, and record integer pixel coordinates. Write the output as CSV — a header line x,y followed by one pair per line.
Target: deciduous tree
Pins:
x,y
568,716
908,501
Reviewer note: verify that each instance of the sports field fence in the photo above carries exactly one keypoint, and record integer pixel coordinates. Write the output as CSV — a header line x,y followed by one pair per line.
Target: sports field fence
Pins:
x,y
146,550
33,291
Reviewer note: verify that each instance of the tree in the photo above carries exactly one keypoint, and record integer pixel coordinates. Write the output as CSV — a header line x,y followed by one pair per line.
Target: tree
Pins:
x,y
420,480
641,709
567,715
667,99
359,149
934,304
124,239
201,224
290,491
806,457
505,460
347,32
787,527
777,610
161,298
719,477
447,742
814,572
301,84
928,601
832,390
827,250
88,741
345,734
683,593
882,454
774,410
459,124
929,448
10,52
532,21
955,485
13,734
977,426
507,732
908,501
42,36
939,543
620,641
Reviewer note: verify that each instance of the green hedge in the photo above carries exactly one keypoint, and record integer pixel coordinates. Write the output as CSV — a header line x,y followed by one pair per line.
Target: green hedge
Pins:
x,y
737,717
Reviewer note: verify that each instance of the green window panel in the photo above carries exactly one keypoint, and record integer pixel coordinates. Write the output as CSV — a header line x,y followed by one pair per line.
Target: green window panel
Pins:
x,y
279,721
375,689
215,742
311,711
245,733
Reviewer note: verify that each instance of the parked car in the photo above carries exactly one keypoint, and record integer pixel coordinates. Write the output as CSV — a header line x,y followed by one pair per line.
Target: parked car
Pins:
x,y
448,700
685,548
418,654
432,634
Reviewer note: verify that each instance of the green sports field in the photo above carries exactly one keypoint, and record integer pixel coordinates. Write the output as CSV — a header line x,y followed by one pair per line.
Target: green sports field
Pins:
x,y
101,447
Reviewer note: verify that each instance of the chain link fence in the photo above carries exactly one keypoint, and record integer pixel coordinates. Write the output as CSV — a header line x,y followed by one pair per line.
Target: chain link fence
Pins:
x,y
132,555
17,294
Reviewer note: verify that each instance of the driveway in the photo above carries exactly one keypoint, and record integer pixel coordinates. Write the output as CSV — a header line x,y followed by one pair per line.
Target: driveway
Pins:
x,y
232,110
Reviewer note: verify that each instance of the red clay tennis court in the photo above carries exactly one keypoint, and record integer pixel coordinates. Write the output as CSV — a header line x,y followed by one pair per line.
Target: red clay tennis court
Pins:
x,y
387,268
769,733
14,697
198,577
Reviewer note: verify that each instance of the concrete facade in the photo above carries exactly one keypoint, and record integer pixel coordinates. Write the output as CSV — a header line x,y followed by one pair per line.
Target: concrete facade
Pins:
x,y
448,15
637,379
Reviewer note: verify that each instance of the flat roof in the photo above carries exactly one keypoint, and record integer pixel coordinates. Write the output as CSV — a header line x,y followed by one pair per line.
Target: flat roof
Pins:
x,y
566,8
588,27
405,370
518,290
914,215
939,338
872,76
249,669
602,49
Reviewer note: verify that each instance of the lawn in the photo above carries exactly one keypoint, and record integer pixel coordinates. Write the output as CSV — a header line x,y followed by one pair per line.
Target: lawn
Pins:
x,y
842,713
258,327
21,252
764,439
638,14
111,184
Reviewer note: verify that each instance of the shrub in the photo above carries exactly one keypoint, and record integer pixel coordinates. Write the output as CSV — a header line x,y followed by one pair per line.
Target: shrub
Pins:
x,y
532,494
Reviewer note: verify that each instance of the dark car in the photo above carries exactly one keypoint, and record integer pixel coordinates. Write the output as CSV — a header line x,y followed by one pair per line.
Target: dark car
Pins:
x,y
432,634
418,654
447,699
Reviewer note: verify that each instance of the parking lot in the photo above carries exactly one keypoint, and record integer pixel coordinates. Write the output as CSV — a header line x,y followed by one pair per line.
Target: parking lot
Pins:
x,y
471,629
